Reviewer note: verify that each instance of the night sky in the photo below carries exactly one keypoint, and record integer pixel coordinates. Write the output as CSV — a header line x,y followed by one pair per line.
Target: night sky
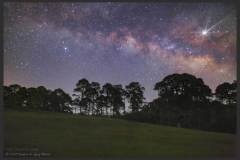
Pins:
x,y
56,44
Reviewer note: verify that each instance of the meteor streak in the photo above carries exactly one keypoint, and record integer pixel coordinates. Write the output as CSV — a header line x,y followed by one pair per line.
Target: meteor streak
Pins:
x,y
207,30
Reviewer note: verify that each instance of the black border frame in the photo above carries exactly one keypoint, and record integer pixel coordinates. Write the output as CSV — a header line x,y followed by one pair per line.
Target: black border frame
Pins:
x,y
237,6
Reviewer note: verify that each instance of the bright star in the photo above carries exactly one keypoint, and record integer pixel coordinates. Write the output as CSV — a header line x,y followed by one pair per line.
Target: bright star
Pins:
x,y
204,32
65,49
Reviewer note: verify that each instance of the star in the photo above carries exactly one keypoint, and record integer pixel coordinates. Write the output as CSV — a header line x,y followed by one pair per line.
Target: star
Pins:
x,y
204,32
131,38
65,49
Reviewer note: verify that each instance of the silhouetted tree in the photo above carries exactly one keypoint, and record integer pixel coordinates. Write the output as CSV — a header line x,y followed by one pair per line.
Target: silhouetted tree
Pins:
x,y
117,99
182,88
93,92
101,102
82,94
76,103
135,95
14,96
113,96
60,101
42,98
124,97
36,99
107,91
227,92
33,100
183,101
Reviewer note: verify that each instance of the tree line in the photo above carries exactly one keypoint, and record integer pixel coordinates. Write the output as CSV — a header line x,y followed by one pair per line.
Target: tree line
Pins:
x,y
36,99
93,99
183,100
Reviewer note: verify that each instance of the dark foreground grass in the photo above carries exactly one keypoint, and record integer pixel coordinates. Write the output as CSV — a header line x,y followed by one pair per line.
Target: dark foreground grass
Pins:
x,y
65,135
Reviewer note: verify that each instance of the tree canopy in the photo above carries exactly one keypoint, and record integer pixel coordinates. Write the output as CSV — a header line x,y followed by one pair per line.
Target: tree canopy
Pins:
x,y
182,87
183,100
36,99
134,93
227,92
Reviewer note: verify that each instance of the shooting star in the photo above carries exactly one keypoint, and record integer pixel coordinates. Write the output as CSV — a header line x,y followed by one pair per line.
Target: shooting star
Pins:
x,y
207,30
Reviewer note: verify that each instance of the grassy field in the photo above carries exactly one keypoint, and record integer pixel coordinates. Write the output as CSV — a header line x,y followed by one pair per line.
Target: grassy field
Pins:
x,y
65,135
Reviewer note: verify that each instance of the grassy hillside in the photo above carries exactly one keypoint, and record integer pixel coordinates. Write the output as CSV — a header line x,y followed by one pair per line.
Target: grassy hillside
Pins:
x,y
77,136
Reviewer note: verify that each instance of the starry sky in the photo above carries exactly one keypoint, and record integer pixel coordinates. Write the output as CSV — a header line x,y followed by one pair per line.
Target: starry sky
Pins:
x,y
56,44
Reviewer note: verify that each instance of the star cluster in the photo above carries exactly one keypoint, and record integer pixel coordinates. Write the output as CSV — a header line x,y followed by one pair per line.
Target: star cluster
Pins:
x,y
56,44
